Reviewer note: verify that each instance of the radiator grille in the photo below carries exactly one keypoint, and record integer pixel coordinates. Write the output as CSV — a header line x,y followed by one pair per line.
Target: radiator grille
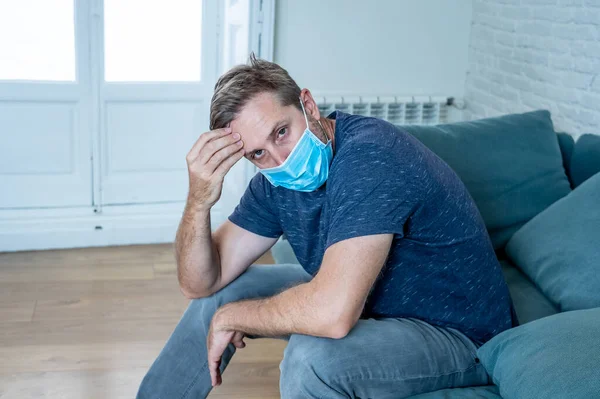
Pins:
x,y
400,110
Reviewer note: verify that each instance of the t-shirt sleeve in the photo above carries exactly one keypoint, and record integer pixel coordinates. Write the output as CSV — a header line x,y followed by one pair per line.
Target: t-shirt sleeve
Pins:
x,y
370,192
256,211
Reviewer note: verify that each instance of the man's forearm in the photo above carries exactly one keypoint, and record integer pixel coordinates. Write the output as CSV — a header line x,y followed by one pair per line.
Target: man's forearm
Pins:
x,y
198,262
294,311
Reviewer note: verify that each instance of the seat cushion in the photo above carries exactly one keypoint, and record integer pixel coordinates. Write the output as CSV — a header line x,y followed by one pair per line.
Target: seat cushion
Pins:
x,y
511,165
553,357
529,302
559,249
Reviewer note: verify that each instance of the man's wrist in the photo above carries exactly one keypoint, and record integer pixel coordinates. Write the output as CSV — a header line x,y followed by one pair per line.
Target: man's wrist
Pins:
x,y
220,318
198,209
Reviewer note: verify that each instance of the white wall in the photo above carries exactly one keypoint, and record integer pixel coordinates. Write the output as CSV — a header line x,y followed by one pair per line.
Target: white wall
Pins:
x,y
380,47
532,54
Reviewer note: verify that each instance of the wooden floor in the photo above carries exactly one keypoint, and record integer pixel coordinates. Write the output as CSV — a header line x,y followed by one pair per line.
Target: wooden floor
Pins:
x,y
87,323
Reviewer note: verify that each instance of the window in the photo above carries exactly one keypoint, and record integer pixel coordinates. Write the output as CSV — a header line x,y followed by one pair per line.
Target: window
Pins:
x,y
152,40
37,40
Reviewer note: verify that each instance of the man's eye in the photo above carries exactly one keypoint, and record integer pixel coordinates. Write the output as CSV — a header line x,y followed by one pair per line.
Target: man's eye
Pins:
x,y
257,154
282,132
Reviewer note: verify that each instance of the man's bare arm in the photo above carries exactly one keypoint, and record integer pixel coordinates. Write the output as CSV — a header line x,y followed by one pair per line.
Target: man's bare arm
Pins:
x,y
197,257
206,262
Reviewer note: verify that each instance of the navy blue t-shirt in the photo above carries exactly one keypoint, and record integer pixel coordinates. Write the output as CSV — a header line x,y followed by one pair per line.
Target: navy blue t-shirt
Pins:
x,y
441,267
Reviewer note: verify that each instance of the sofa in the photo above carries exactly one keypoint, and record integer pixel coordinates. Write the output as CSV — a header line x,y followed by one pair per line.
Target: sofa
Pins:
x,y
538,192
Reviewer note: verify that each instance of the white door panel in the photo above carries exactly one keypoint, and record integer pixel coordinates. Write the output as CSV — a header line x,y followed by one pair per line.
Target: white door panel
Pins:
x,y
145,148
44,160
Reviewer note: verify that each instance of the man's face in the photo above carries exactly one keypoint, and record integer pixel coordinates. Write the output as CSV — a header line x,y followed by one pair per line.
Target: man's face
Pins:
x,y
269,130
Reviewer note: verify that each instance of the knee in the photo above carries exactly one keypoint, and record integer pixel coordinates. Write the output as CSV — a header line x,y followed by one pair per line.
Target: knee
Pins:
x,y
307,368
258,281
201,310
242,287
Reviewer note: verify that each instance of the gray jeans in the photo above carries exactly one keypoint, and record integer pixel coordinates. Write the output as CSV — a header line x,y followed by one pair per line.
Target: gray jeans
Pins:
x,y
379,358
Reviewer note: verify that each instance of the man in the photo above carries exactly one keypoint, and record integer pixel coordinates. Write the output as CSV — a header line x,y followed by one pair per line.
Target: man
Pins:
x,y
399,283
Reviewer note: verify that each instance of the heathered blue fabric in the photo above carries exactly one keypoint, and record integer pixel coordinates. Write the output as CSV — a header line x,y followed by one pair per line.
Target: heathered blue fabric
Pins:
x,y
441,267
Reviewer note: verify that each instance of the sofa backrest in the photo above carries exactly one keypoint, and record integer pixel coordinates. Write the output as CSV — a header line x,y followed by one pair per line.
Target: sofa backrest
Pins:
x,y
566,142
585,158
511,165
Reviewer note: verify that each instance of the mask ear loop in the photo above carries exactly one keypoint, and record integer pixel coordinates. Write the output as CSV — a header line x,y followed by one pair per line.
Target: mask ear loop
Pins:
x,y
306,118
304,112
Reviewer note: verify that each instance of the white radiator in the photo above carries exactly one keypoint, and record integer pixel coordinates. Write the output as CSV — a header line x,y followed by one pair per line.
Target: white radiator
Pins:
x,y
399,110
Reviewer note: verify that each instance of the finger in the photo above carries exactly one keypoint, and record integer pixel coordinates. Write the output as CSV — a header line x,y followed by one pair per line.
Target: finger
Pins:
x,y
216,346
238,344
219,378
219,156
238,340
239,336
205,138
214,361
212,358
216,145
224,167
213,367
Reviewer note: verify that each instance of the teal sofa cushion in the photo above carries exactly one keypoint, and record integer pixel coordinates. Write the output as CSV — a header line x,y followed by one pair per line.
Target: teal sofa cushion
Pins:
x,y
559,249
283,253
554,357
566,143
511,165
529,302
585,158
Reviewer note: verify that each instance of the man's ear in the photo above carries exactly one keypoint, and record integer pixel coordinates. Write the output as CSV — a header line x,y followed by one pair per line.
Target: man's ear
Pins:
x,y
309,104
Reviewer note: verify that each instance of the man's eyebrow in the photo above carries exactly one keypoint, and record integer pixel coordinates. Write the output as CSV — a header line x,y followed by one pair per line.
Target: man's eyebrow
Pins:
x,y
273,131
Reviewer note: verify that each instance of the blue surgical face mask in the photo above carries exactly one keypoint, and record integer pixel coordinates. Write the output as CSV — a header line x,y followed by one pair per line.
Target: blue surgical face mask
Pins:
x,y
307,167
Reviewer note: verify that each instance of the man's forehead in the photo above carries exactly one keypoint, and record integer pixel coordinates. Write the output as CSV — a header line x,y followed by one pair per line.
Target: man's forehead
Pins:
x,y
258,116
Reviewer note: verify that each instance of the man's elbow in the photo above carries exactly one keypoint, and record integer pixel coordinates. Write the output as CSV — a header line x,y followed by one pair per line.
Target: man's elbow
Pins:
x,y
338,330
194,289
339,327
191,292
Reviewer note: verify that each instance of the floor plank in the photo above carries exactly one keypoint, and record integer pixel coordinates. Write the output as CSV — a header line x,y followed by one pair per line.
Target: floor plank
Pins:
x,y
67,331
249,380
117,355
142,307
88,384
16,310
27,273
59,290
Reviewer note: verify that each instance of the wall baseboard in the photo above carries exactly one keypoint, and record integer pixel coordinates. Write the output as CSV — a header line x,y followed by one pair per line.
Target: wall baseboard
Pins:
x,y
77,227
